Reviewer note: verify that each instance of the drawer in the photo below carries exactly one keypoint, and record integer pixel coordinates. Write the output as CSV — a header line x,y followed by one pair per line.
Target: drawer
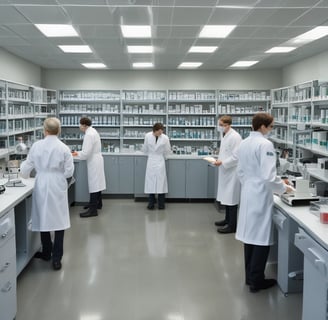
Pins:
x,y
7,227
313,252
279,219
8,304
7,251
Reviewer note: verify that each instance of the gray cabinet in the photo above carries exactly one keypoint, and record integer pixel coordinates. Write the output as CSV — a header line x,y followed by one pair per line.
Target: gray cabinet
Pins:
x,y
176,176
81,182
212,181
27,242
8,305
196,179
119,171
140,164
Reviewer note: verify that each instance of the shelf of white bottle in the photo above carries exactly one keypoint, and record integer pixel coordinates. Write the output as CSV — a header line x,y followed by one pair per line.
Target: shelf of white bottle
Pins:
x,y
318,174
20,116
191,101
144,114
18,100
191,139
281,141
91,100
88,112
142,101
192,114
137,125
280,124
133,138
240,113
15,132
190,126
241,125
319,124
307,101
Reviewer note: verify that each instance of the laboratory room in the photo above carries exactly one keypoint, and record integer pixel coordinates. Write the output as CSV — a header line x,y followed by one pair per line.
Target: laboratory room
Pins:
x,y
164,159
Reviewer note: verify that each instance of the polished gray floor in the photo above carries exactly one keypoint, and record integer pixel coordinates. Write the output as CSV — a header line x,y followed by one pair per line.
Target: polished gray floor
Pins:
x,y
132,264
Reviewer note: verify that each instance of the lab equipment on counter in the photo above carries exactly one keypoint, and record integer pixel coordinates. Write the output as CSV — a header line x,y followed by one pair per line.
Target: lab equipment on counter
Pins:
x,y
302,194
12,173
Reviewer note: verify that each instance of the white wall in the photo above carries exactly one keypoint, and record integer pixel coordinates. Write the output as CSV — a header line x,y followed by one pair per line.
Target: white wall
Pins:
x,y
313,68
19,70
87,79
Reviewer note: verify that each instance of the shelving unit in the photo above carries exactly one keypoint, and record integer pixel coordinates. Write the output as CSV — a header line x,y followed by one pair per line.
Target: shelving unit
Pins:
x,y
192,121
241,105
103,107
16,115
44,105
140,110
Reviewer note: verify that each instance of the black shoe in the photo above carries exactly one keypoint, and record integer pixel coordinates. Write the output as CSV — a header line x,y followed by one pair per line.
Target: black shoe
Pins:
x,y
226,229
43,256
161,207
98,207
88,214
220,223
267,283
150,207
56,265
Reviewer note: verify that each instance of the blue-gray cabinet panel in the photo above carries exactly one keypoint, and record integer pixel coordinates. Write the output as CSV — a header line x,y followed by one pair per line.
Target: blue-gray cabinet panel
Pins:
x,y
196,179
81,182
176,176
140,164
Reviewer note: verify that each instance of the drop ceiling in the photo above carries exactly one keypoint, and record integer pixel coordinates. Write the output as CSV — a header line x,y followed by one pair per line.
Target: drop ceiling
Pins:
x,y
176,24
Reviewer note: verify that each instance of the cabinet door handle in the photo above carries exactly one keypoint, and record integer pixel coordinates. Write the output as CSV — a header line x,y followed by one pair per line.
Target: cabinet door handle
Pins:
x,y
6,265
4,235
319,262
7,287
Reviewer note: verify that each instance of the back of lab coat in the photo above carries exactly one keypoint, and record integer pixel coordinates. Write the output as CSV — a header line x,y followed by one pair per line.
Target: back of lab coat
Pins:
x,y
155,179
257,174
91,152
53,163
228,181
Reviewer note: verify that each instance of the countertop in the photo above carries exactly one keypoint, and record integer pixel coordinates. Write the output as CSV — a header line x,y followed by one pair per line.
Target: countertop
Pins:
x,y
14,195
306,220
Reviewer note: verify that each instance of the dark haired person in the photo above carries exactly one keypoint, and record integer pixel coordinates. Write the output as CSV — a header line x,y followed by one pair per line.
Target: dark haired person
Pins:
x,y
53,163
257,173
228,183
91,152
157,147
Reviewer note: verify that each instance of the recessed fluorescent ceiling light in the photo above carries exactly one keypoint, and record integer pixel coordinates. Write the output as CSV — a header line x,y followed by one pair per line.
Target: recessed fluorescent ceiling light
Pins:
x,y
312,35
143,65
280,49
140,49
136,31
57,30
190,64
202,49
94,65
243,64
76,49
216,31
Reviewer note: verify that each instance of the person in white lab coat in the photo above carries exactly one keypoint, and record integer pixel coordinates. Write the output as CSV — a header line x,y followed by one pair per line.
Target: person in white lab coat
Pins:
x,y
228,183
257,173
53,163
91,152
157,147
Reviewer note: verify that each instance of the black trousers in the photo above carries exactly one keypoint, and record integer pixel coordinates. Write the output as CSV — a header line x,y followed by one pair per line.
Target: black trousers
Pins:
x,y
57,248
95,201
255,261
152,199
231,216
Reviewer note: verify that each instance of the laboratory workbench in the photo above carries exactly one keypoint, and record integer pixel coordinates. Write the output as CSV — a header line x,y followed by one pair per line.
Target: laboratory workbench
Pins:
x,y
303,249
17,243
189,177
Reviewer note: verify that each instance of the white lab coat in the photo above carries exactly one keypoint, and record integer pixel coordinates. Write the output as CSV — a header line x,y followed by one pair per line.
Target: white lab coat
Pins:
x,y
257,173
53,163
156,180
228,181
91,152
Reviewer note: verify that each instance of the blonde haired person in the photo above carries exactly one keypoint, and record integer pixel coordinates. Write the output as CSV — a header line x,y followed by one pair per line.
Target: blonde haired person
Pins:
x,y
53,163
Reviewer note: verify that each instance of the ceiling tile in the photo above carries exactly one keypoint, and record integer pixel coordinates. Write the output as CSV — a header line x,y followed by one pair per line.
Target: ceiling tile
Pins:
x,y
312,18
91,15
191,16
44,14
10,15
228,16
